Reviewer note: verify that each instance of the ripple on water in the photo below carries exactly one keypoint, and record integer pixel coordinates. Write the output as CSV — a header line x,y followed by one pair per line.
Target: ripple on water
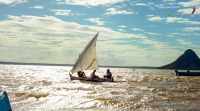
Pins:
x,y
48,88
27,95
125,105
185,90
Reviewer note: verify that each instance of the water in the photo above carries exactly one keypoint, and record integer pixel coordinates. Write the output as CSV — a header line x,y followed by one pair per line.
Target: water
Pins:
x,y
48,88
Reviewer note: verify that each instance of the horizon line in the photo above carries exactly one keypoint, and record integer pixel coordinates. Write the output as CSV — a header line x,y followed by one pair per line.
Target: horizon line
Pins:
x,y
53,64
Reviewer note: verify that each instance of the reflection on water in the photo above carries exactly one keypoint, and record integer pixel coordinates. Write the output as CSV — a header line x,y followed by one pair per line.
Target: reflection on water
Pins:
x,y
42,88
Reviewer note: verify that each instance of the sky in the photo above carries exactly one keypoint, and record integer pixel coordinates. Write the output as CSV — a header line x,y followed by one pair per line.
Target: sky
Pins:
x,y
131,32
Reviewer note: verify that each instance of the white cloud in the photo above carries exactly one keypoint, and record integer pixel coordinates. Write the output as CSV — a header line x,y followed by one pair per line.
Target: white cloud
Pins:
x,y
136,29
191,3
155,44
150,3
8,2
149,15
122,30
122,26
151,33
114,11
181,20
50,40
119,6
141,4
170,35
196,34
188,11
175,19
155,18
190,29
169,1
183,42
61,12
37,7
168,5
90,2
160,5
151,8
77,14
96,20
189,22
174,33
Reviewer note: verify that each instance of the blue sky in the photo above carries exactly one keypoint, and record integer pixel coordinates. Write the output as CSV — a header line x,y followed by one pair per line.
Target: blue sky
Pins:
x,y
131,32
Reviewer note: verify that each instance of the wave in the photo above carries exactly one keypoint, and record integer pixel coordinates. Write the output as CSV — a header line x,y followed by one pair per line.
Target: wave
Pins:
x,y
27,95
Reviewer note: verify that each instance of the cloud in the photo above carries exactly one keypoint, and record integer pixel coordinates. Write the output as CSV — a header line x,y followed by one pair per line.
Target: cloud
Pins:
x,y
160,5
156,44
114,11
190,29
119,6
188,11
150,3
155,18
170,35
149,15
151,8
151,33
141,4
37,7
61,12
50,40
174,33
191,3
196,34
175,19
136,29
181,20
96,20
183,42
122,30
8,2
151,25
122,26
166,5
90,2
169,1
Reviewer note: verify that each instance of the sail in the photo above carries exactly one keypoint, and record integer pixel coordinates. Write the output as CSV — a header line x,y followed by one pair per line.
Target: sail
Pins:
x,y
87,59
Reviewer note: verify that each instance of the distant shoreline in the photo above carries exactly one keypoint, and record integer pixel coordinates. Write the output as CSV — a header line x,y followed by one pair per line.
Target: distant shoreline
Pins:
x,y
45,64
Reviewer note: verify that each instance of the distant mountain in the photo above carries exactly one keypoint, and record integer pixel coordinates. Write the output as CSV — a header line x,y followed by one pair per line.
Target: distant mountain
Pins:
x,y
188,60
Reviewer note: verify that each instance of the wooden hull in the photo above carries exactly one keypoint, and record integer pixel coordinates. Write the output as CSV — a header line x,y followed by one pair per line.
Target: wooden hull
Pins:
x,y
91,79
188,73
4,102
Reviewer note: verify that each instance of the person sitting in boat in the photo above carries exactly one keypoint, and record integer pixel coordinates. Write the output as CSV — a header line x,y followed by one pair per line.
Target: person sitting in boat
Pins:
x,y
108,74
176,72
81,74
93,76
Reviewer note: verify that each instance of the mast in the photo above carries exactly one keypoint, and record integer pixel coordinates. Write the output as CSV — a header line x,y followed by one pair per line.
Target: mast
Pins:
x,y
80,61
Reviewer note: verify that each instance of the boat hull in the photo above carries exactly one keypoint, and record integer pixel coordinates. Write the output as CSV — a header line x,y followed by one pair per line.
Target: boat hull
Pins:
x,y
91,79
188,73
4,102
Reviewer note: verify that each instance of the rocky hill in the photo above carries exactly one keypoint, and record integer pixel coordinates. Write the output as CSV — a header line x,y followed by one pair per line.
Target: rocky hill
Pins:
x,y
188,60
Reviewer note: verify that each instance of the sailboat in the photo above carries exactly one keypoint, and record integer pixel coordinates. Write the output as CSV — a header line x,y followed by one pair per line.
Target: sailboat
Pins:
x,y
4,102
87,60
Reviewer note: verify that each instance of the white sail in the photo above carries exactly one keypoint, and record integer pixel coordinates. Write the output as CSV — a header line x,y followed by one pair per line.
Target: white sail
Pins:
x,y
87,59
